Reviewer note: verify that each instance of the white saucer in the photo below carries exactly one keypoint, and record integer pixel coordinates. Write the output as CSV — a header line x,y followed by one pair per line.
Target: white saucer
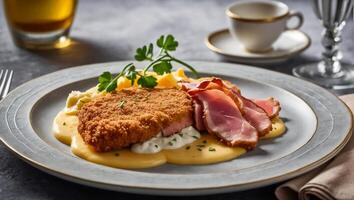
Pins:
x,y
289,44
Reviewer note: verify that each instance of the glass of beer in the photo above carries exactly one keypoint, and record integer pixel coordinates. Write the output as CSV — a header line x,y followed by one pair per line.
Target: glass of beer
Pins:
x,y
40,24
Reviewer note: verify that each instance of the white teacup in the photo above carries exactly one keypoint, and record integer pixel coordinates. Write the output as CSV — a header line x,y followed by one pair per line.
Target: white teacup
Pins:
x,y
258,24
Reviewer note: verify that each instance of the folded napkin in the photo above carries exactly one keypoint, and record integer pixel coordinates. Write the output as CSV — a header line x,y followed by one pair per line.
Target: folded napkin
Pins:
x,y
332,181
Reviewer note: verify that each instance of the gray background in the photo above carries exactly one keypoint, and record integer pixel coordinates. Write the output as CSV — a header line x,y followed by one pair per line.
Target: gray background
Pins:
x,y
108,30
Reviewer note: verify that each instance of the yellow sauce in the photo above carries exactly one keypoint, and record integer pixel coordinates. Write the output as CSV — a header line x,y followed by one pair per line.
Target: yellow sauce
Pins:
x,y
118,158
278,128
206,150
65,126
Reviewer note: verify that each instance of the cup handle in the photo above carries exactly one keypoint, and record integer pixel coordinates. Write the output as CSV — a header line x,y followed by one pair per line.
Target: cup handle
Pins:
x,y
299,15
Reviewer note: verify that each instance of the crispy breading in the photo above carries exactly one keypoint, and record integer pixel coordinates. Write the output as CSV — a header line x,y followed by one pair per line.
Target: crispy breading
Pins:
x,y
117,120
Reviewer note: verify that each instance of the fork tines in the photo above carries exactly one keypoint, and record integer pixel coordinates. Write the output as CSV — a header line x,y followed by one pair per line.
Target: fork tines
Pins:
x,y
5,82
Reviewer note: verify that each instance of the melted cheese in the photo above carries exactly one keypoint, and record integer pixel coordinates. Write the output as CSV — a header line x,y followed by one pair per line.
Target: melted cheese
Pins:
x,y
206,150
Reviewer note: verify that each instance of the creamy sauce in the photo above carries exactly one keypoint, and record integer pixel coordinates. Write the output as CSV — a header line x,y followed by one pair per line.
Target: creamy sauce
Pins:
x,y
158,143
65,126
119,158
278,128
205,150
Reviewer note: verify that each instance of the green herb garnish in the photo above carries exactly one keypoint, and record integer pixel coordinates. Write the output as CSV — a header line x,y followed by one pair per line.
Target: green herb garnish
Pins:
x,y
204,141
188,147
195,137
64,124
147,81
170,143
200,145
160,64
147,97
156,146
121,104
199,149
212,149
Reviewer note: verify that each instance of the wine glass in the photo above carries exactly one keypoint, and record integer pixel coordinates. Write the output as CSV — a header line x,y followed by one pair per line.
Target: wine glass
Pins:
x,y
330,72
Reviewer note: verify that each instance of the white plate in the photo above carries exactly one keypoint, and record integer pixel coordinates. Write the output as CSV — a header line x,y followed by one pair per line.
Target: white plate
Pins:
x,y
288,45
318,127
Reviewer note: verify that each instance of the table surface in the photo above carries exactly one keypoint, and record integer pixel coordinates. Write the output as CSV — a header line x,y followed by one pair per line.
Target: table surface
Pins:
x,y
110,30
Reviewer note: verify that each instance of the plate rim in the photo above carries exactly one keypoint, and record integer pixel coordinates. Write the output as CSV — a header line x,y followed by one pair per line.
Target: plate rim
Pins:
x,y
167,191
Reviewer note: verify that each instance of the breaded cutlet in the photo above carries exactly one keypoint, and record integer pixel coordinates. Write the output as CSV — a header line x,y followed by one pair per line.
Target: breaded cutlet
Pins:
x,y
119,119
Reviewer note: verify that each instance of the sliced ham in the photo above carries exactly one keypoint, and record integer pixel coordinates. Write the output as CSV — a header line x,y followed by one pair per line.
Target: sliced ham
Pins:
x,y
220,108
256,116
198,116
269,105
186,86
223,118
216,83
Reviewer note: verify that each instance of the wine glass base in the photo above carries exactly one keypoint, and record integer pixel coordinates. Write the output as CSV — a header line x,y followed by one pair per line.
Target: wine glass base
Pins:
x,y
342,80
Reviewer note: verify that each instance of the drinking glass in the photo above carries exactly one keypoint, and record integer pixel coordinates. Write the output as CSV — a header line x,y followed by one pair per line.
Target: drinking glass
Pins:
x,y
40,24
330,72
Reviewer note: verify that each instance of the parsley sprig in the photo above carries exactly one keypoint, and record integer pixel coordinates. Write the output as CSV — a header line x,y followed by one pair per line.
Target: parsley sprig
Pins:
x,y
160,64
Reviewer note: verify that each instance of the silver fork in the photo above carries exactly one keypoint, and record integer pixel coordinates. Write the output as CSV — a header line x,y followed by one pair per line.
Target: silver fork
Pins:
x,y
5,82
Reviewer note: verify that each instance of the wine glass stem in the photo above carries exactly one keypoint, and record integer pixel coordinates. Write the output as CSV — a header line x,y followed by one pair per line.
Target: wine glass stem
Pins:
x,y
330,65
